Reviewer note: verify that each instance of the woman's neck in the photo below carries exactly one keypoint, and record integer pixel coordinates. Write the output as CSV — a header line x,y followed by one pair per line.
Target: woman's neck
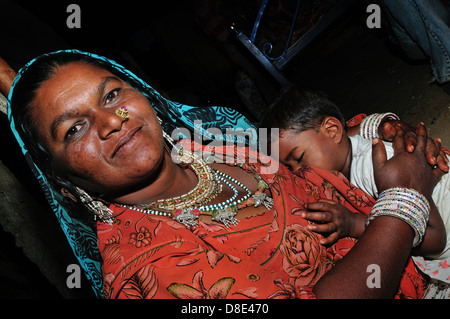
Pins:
x,y
171,180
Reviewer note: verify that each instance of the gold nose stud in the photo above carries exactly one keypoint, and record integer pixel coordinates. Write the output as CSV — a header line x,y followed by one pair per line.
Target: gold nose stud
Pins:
x,y
122,112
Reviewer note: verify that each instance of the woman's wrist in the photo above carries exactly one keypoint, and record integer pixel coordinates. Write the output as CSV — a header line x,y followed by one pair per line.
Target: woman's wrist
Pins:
x,y
405,204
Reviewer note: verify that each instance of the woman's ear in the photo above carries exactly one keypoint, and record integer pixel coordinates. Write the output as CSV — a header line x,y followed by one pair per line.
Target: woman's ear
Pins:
x,y
333,128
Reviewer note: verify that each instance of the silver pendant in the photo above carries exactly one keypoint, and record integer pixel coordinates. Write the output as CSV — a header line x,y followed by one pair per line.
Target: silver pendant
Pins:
x,y
263,199
186,217
225,216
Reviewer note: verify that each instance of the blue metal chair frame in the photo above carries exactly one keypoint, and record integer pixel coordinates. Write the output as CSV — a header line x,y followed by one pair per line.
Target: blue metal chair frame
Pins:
x,y
275,65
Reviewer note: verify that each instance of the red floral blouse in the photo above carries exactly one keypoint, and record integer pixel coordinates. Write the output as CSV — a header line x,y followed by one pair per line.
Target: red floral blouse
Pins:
x,y
270,255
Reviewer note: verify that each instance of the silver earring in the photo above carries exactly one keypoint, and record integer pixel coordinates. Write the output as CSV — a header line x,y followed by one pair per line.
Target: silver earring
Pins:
x,y
179,154
167,137
100,210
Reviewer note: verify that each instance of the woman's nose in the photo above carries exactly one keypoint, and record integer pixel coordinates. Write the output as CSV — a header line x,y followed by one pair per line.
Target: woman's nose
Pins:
x,y
108,122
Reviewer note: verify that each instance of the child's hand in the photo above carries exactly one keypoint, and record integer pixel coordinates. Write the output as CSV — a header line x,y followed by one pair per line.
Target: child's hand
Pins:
x,y
333,221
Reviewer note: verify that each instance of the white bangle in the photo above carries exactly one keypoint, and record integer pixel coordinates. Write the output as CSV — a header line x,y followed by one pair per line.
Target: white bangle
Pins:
x,y
406,204
368,128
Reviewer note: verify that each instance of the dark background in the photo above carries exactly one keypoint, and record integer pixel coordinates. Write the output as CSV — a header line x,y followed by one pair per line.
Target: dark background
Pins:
x,y
169,44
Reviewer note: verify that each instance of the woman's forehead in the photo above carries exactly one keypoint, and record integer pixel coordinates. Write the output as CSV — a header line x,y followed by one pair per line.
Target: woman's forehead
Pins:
x,y
74,79
79,71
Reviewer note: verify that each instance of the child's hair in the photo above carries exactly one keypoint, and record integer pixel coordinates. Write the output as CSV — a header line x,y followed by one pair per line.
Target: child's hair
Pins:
x,y
299,110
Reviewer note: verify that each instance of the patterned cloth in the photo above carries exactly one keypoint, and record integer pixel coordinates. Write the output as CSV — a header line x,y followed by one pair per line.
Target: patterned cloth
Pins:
x,y
271,255
267,256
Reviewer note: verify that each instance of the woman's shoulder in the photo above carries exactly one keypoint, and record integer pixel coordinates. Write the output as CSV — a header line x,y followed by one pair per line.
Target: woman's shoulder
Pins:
x,y
233,153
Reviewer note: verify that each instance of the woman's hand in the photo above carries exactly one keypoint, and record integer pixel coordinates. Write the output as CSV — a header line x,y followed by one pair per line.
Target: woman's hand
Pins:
x,y
333,220
7,75
409,169
435,156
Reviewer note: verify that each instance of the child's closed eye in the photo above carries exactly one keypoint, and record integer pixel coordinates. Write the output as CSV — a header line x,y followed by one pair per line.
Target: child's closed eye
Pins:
x,y
299,159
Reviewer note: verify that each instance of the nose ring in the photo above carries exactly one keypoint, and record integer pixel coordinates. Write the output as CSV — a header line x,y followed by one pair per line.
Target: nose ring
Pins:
x,y
122,112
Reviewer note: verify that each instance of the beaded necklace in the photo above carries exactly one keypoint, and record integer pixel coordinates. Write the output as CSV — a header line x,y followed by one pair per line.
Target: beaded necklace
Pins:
x,y
187,208
206,189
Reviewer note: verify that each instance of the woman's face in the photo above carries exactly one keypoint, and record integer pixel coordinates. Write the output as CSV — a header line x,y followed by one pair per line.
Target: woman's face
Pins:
x,y
97,150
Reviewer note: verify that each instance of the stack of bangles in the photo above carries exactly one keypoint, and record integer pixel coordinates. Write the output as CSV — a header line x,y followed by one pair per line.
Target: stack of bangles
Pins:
x,y
368,128
406,204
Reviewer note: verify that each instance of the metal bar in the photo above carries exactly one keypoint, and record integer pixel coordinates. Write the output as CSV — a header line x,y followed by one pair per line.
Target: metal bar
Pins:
x,y
258,20
301,43
261,58
288,41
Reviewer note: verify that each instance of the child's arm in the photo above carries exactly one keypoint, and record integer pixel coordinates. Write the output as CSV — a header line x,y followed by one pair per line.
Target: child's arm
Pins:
x,y
435,237
333,220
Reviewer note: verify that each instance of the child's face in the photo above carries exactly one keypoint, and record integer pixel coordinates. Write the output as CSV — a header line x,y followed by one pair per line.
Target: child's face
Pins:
x,y
311,148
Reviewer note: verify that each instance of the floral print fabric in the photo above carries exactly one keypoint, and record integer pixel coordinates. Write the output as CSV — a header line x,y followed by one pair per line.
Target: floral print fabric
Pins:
x,y
270,255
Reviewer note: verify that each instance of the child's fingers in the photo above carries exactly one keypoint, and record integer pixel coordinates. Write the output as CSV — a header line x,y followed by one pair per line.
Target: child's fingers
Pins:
x,y
330,240
322,228
321,205
388,131
317,216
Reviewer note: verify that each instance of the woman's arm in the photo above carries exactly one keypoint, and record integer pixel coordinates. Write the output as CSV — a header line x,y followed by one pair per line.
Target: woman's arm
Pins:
x,y
387,241
7,75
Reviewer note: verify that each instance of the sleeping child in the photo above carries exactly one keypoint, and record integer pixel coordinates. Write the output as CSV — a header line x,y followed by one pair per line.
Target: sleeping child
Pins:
x,y
312,132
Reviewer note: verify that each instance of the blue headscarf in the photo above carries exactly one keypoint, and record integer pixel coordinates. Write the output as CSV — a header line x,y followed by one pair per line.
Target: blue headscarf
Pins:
x,y
82,237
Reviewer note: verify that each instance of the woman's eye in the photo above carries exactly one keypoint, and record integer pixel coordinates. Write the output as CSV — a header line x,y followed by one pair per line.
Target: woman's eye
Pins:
x,y
111,96
73,130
